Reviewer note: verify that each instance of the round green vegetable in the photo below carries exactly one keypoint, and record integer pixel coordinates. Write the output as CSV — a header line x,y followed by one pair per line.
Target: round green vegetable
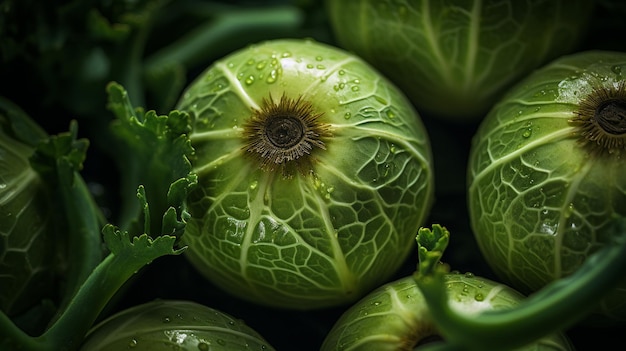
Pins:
x,y
395,316
27,230
454,58
173,325
314,174
546,172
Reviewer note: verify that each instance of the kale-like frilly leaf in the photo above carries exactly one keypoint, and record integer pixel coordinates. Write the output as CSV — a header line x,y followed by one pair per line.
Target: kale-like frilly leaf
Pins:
x,y
155,162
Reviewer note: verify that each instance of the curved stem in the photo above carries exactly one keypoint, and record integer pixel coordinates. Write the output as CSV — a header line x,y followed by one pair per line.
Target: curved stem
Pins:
x,y
227,31
552,309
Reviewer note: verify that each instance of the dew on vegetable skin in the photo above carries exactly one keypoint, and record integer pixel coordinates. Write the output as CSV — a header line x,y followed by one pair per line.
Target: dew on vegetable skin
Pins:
x,y
261,65
132,343
569,210
617,69
309,65
341,72
347,115
390,114
479,297
318,58
249,80
203,346
527,133
271,78
166,319
253,184
354,88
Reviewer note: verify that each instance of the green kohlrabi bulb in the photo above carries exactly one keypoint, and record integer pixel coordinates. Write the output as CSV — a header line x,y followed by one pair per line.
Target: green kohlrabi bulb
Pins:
x,y
547,172
395,316
28,247
454,58
314,174
163,325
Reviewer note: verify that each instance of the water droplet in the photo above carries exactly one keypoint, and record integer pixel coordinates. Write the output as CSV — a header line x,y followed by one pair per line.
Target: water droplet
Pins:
x,y
230,65
203,346
221,342
271,78
261,65
318,58
249,80
253,184
250,62
479,297
381,100
569,210
355,88
347,115
342,85
390,113
132,343
286,54
527,133
617,69
166,319
309,65
320,67
356,81
469,275
341,72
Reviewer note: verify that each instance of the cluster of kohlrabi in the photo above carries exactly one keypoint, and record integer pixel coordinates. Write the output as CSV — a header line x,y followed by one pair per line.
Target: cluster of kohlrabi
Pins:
x,y
297,175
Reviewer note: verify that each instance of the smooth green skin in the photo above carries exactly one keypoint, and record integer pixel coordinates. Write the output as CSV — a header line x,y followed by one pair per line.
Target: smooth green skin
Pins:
x,y
395,316
27,230
310,241
539,202
173,325
454,58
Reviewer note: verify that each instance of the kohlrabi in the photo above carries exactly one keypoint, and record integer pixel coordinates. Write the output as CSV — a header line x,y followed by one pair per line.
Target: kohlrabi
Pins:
x,y
46,250
454,58
89,276
27,229
439,310
314,173
546,172
163,325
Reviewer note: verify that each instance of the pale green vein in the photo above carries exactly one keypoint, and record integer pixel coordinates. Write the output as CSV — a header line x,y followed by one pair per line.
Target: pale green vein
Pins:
x,y
236,85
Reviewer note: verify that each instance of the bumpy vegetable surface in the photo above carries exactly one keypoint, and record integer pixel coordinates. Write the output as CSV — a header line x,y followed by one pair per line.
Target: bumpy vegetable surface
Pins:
x,y
27,228
173,325
546,172
454,58
395,316
314,174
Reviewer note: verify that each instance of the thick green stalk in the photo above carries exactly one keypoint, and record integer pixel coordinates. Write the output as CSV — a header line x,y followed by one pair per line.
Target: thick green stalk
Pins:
x,y
85,222
230,29
552,309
